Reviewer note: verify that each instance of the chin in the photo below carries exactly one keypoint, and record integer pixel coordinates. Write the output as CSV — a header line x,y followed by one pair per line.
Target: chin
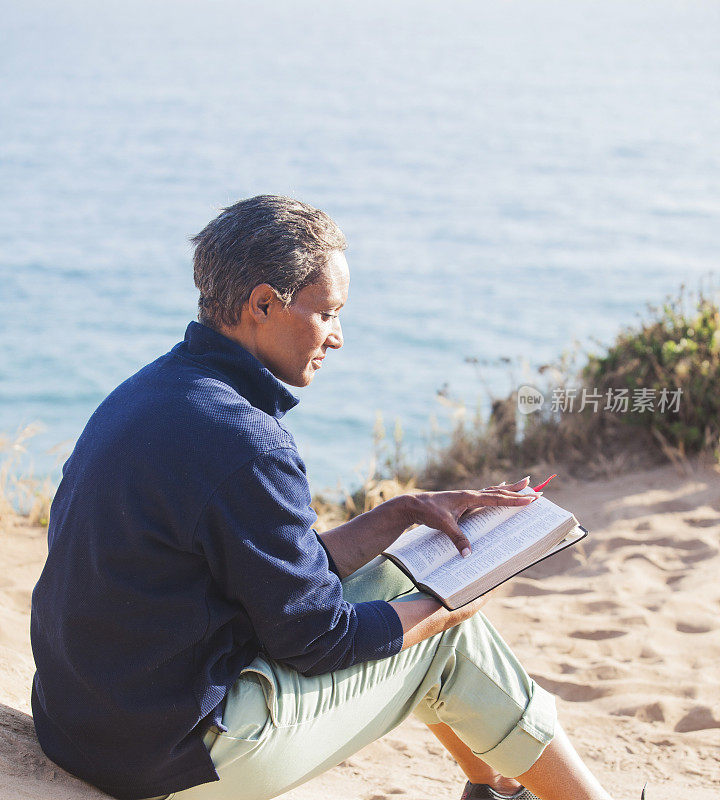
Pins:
x,y
298,381
306,380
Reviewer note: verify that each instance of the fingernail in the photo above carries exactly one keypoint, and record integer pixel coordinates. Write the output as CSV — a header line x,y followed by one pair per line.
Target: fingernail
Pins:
x,y
526,478
465,552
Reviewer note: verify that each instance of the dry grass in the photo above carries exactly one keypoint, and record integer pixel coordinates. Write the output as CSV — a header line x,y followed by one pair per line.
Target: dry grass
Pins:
x,y
21,493
374,490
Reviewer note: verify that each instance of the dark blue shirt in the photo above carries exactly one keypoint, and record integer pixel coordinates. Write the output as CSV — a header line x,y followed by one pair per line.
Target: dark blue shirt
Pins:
x,y
180,547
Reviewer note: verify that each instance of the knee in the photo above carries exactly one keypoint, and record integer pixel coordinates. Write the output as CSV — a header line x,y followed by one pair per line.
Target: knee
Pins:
x,y
485,695
481,655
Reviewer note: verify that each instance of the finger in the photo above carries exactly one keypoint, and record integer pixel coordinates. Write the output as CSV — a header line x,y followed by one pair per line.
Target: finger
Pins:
x,y
449,527
519,484
507,490
500,497
500,491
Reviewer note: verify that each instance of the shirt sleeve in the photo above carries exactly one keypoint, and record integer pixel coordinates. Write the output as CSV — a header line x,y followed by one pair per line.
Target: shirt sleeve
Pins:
x,y
331,561
256,534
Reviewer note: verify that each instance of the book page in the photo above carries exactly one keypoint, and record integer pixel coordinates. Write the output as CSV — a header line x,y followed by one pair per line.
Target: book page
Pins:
x,y
424,549
577,533
498,545
477,524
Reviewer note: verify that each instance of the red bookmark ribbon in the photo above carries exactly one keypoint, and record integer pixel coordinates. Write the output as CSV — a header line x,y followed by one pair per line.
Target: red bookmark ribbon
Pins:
x,y
544,483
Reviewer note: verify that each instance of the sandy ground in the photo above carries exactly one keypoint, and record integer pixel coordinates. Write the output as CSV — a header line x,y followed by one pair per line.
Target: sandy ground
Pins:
x,y
626,632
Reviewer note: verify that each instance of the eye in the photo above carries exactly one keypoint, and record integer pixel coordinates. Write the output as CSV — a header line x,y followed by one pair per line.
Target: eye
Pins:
x,y
327,316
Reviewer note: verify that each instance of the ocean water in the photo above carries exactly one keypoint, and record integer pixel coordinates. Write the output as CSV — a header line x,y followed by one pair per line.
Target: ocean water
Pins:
x,y
512,177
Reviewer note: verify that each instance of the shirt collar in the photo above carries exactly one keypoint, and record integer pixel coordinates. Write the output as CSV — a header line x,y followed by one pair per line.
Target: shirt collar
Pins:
x,y
241,369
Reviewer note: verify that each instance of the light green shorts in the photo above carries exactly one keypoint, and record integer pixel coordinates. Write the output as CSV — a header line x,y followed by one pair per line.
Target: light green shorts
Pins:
x,y
284,728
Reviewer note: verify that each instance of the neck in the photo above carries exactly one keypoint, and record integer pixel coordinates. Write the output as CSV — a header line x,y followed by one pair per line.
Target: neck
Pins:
x,y
244,336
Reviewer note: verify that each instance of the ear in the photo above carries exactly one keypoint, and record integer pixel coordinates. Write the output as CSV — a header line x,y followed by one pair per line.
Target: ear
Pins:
x,y
262,298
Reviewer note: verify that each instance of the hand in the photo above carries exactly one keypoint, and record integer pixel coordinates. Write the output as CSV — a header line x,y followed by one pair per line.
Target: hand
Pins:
x,y
442,510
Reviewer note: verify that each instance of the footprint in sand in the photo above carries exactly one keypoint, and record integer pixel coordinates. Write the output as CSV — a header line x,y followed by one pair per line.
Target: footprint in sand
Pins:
x,y
401,747
567,669
395,790
600,606
700,555
702,522
699,718
608,672
573,692
672,580
697,627
634,619
523,588
655,562
624,541
648,712
682,544
398,745
648,653
598,635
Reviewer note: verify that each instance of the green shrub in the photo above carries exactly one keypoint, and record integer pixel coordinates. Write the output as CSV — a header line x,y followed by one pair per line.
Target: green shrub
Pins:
x,y
668,366
674,356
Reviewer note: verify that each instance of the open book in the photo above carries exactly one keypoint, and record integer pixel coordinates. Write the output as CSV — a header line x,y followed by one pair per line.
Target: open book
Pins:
x,y
505,540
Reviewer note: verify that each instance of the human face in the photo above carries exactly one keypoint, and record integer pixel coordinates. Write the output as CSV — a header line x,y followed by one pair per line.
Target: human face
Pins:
x,y
297,337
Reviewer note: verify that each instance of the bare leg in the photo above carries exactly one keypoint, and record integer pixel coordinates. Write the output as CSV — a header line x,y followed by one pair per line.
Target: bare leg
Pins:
x,y
558,774
476,770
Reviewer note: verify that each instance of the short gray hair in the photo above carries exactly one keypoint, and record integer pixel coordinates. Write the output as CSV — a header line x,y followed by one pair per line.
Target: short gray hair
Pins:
x,y
265,239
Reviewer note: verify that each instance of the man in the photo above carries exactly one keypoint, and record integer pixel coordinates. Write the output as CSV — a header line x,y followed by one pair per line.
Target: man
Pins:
x,y
189,623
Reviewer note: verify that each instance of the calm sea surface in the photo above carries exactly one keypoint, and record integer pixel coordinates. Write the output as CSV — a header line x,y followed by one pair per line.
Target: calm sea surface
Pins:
x,y
511,177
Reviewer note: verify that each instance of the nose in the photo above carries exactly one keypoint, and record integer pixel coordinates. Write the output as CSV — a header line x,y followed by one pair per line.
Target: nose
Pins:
x,y
335,338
